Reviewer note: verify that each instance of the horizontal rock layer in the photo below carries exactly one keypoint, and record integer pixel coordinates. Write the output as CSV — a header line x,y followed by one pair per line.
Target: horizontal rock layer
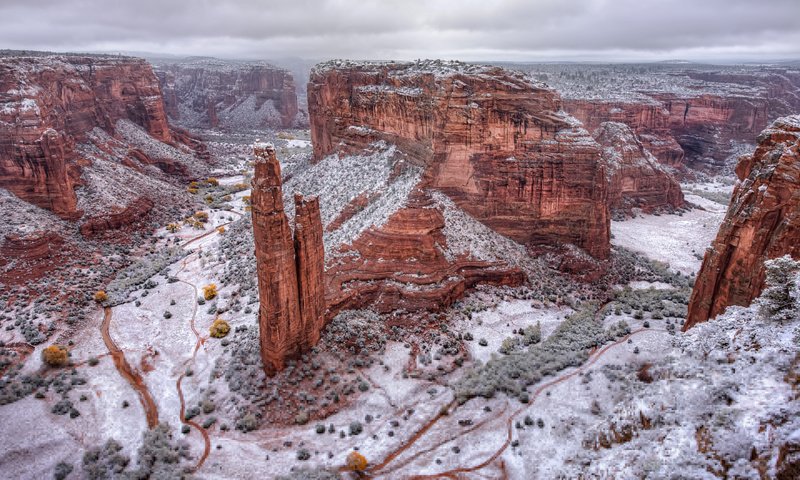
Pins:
x,y
494,142
51,103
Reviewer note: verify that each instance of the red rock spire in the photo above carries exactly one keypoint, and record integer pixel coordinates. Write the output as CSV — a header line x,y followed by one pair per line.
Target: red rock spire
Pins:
x,y
291,292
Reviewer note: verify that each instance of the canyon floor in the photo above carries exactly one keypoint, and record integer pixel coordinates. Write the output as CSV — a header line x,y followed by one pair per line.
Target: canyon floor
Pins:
x,y
154,366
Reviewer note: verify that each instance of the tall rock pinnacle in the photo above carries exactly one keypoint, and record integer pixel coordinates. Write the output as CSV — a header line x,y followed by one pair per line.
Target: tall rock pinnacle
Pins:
x,y
290,283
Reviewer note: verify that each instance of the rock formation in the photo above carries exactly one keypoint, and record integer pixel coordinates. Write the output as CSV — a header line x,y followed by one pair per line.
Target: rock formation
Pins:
x,y
700,115
135,211
291,292
636,178
762,222
492,140
52,104
212,93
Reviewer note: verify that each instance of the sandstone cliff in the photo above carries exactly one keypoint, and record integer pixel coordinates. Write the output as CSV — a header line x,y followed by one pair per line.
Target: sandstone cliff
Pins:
x,y
497,144
636,178
212,93
291,292
57,111
763,222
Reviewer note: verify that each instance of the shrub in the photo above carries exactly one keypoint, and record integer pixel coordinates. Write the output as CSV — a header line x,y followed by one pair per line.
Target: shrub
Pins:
x,y
212,181
240,186
210,291
221,230
192,190
219,328
55,356
173,227
246,199
356,462
201,216
356,428
780,300
100,296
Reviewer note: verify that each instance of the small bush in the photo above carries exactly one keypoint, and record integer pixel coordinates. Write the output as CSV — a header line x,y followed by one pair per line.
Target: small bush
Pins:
x,y
55,356
100,296
210,291
173,227
201,217
221,230
219,328
356,462
212,181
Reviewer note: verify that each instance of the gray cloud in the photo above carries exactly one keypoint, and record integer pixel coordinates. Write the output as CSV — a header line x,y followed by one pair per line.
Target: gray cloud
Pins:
x,y
468,29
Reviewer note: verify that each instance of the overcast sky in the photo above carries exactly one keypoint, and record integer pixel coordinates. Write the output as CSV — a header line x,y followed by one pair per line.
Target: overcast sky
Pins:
x,y
616,30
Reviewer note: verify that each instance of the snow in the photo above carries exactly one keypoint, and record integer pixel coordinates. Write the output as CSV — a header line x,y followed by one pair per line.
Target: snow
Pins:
x,y
677,239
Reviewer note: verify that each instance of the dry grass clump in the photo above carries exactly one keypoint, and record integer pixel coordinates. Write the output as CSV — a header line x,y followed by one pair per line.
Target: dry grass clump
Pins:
x,y
55,356
100,296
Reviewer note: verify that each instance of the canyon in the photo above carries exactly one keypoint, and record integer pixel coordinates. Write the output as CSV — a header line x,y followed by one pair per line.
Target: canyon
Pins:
x,y
213,93
53,108
762,223
696,115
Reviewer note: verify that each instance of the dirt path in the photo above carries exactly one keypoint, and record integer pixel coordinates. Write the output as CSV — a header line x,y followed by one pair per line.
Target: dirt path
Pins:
x,y
454,473
199,342
212,231
128,373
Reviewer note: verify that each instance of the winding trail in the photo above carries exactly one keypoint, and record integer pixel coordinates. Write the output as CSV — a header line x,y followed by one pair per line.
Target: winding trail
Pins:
x,y
376,470
128,373
134,378
200,341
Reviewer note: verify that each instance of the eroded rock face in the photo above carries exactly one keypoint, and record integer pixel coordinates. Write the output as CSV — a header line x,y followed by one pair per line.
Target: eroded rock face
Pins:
x,y
291,292
404,265
763,222
132,213
697,130
211,93
636,178
493,141
51,103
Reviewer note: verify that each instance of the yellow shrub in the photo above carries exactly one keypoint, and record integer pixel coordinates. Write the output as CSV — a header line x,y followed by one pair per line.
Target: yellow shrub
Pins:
x,y
219,328
210,291
201,217
356,462
100,296
246,199
193,185
248,208
240,186
212,181
221,230
209,199
55,356
173,227
191,190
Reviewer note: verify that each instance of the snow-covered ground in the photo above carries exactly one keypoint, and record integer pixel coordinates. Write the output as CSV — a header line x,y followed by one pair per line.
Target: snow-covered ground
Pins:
x,y
677,239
